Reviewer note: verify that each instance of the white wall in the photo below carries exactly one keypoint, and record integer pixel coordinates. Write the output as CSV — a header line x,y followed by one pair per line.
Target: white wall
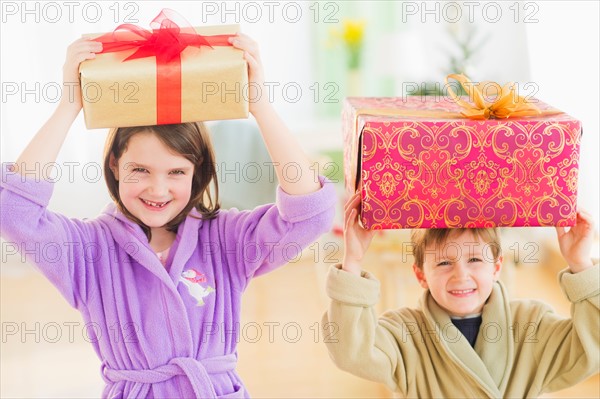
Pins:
x,y
563,48
423,44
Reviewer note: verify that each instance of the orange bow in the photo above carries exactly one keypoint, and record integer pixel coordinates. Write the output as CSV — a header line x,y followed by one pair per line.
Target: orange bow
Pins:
x,y
507,103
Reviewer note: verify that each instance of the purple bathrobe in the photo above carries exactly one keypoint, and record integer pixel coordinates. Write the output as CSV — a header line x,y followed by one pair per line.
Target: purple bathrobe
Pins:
x,y
161,332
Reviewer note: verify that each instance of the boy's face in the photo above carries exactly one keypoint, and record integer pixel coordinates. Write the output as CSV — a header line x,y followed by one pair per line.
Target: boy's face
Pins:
x,y
460,273
155,184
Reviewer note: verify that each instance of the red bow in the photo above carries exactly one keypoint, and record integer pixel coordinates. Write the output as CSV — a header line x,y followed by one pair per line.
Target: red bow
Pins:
x,y
166,42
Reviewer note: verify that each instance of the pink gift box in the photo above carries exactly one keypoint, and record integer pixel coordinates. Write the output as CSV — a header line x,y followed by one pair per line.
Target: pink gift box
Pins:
x,y
420,171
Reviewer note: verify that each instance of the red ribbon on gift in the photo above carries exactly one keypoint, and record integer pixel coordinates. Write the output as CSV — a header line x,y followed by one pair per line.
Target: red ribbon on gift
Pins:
x,y
166,42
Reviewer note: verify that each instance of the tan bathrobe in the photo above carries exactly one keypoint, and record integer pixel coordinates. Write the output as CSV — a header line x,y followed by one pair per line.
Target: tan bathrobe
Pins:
x,y
523,348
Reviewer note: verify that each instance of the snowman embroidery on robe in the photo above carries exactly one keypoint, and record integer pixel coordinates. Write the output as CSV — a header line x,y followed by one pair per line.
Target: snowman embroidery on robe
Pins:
x,y
191,279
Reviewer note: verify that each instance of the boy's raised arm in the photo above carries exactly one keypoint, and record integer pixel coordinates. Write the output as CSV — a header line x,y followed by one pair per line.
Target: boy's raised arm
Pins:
x,y
576,244
356,238
356,340
568,350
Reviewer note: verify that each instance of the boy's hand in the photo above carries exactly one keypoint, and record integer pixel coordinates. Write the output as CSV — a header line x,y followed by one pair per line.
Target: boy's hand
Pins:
x,y
356,238
256,89
576,244
80,50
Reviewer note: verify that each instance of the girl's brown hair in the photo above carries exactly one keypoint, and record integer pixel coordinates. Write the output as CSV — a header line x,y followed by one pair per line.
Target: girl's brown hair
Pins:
x,y
422,238
191,141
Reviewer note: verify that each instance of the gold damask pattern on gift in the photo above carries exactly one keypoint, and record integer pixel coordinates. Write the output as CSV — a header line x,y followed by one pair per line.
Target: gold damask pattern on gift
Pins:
x,y
421,163
458,174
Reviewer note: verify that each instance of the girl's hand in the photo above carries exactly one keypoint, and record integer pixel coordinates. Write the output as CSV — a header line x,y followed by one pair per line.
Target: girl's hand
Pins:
x,y
80,50
576,244
257,93
356,238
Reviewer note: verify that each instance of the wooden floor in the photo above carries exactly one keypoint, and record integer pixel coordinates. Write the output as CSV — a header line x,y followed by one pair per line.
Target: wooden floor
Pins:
x,y
44,353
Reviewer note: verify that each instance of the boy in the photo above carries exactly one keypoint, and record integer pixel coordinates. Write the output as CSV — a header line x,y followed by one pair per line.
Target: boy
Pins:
x,y
466,339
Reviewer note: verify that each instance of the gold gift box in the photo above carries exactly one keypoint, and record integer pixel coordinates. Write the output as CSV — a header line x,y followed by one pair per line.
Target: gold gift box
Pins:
x,y
214,85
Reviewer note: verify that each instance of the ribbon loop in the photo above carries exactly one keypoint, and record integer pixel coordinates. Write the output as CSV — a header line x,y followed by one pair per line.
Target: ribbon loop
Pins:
x,y
167,39
166,42
506,105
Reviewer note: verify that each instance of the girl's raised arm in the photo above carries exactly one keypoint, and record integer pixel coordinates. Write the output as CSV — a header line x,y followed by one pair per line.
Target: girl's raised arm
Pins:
x,y
46,144
25,222
283,147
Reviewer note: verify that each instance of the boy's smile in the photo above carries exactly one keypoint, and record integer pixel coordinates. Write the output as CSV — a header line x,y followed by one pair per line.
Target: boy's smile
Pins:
x,y
460,273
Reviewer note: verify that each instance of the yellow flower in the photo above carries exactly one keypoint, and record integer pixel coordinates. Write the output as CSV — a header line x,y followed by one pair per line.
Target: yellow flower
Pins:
x,y
353,31
351,35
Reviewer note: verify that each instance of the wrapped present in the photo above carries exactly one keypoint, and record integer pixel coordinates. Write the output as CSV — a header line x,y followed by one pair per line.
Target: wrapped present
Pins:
x,y
173,74
442,162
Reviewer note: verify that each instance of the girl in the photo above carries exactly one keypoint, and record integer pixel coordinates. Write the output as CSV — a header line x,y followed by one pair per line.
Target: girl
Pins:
x,y
163,263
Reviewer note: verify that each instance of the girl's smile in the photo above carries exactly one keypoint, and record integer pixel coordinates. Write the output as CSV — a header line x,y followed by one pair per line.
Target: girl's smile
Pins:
x,y
155,205
155,183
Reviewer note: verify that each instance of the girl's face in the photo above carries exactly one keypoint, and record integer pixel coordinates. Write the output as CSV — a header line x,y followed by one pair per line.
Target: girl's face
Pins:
x,y
460,273
155,183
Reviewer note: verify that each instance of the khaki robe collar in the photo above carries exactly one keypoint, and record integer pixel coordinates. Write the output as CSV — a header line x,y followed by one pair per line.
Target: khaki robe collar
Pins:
x,y
489,363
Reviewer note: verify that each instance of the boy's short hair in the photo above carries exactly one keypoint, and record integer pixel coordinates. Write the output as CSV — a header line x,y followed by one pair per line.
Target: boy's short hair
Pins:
x,y
422,238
